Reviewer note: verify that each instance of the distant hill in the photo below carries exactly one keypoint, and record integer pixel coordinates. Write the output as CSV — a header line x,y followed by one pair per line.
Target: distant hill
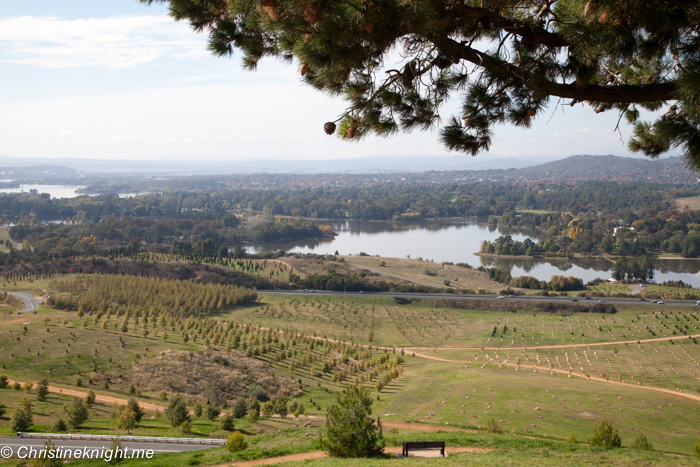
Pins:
x,y
671,169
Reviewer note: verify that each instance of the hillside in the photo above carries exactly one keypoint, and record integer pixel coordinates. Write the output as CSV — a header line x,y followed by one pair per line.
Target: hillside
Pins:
x,y
616,168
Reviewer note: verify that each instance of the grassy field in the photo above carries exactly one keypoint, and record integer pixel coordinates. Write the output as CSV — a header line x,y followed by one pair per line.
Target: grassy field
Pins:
x,y
469,366
692,202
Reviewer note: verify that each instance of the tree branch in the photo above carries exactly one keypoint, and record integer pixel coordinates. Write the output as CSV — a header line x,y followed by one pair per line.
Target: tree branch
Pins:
x,y
605,94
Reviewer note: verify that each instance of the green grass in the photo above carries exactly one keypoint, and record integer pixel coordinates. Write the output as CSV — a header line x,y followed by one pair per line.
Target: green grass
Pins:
x,y
431,391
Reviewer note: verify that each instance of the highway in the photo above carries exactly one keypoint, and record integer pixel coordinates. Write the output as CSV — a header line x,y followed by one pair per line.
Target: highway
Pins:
x,y
37,443
30,303
456,296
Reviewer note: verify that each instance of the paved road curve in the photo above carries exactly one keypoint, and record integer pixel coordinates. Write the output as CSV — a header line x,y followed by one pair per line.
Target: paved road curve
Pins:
x,y
30,303
454,296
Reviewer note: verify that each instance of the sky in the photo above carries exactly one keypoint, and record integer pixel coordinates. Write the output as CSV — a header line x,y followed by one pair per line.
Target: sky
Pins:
x,y
117,79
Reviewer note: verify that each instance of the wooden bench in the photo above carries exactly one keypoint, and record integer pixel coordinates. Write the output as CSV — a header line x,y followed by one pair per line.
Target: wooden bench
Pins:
x,y
423,446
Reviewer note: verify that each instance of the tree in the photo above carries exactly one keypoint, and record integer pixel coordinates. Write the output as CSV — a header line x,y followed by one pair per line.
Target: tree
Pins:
x,y
126,420
236,442
90,398
197,409
268,409
253,411
226,423
52,457
177,412
42,390
77,413
21,420
3,409
350,431
509,60
606,435
240,408
280,405
59,426
134,406
641,442
4,381
213,412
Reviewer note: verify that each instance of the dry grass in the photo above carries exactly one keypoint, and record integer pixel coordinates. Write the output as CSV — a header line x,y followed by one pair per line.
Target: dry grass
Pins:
x,y
692,202
211,375
415,270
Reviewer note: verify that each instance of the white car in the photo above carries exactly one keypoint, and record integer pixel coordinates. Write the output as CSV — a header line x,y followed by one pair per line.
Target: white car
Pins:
x,y
601,301
697,303
500,297
660,302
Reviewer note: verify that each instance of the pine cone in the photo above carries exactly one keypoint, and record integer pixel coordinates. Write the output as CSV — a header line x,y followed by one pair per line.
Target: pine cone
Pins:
x,y
329,128
312,12
531,112
350,133
304,69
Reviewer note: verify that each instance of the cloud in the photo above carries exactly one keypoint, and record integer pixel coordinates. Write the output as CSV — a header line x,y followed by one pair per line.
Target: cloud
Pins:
x,y
107,43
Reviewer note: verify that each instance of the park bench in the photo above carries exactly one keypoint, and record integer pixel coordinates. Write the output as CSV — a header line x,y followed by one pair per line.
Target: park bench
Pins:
x,y
423,446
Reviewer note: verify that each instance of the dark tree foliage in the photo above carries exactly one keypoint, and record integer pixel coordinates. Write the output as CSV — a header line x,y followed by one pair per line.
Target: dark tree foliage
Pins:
x,y
508,59
350,430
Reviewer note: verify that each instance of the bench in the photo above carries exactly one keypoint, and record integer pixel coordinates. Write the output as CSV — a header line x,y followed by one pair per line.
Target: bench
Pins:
x,y
423,446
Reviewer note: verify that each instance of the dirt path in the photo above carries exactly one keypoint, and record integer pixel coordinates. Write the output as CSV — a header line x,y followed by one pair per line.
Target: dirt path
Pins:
x,y
98,397
276,460
560,371
320,455
18,320
553,346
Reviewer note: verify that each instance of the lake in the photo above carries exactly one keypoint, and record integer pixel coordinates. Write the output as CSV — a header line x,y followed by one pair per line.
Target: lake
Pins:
x,y
58,191
458,241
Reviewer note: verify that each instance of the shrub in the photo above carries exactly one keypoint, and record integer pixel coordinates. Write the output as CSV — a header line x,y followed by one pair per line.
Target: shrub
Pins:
x,y
605,435
59,426
240,409
198,410
4,381
236,442
79,382
571,439
213,412
115,453
641,442
697,450
185,428
226,423
2,409
350,431
492,426
177,411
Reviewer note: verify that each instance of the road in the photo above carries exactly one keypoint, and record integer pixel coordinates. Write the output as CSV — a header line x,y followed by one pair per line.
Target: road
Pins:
x,y
455,296
38,443
30,303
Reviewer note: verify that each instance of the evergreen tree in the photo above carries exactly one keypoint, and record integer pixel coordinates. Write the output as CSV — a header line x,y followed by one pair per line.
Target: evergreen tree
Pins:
x,y
21,420
177,411
126,420
350,431
508,59
605,435
42,390
77,413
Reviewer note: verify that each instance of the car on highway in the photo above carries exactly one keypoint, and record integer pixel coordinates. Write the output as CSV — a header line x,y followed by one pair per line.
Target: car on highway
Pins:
x,y
312,291
362,291
511,296
642,299
697,303
601,301
574,299
500,297
660,302
587,297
